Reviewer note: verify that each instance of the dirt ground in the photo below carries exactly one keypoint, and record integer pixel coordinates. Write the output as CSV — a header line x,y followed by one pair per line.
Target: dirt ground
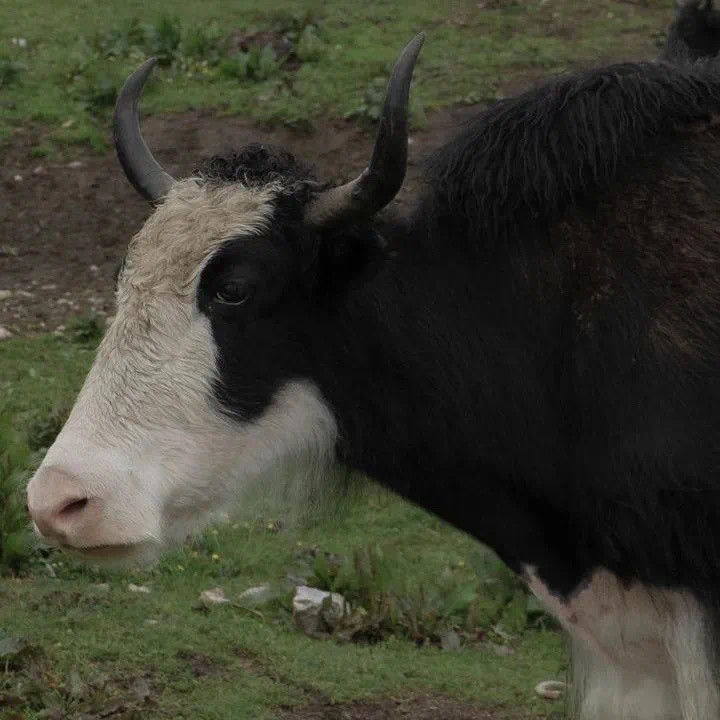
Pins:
x,y
65,226
436,708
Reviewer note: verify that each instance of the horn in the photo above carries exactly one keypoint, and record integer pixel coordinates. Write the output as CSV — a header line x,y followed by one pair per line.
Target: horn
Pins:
x,y
143,171
381,180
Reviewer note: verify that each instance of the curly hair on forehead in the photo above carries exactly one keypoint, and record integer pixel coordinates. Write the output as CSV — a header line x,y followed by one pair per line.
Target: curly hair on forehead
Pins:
x,y
256,164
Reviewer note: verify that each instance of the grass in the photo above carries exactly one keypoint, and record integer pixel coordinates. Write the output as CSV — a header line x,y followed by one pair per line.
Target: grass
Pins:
x,y
237,662
75,641
63,74
251,664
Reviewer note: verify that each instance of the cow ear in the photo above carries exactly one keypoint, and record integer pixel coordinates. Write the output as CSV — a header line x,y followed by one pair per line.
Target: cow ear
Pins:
x,y
347,261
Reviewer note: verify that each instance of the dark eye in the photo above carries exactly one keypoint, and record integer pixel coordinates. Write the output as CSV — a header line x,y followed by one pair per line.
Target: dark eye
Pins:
x,y
233,292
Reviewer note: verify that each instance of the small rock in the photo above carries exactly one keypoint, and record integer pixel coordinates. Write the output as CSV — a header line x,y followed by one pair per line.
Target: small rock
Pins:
x,y
215,596
316,610
25,294
102,587
450,641
51,286
550,689
109,320
5,294
255,595
141,689
152,621
502,649
39,170
75,164
138,588
4,333
17,178
94,268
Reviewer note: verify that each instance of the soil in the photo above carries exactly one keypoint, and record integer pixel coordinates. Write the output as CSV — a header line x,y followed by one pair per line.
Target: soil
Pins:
x,y
65,225
436,708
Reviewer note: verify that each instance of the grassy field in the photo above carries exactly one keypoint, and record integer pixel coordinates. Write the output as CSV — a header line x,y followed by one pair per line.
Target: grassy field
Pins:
x,y
61,63
444,619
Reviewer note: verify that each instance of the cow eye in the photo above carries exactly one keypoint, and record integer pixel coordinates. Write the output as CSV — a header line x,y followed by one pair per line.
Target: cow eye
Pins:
x,y
233,292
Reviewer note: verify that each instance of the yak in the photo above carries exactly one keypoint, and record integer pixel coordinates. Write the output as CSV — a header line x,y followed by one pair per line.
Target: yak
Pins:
x,y
531,351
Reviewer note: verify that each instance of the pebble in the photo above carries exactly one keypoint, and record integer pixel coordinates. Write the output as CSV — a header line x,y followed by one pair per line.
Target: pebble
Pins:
x,y
214,596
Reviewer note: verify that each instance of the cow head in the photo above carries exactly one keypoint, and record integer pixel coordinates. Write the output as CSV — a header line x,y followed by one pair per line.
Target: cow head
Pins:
x,y
202,385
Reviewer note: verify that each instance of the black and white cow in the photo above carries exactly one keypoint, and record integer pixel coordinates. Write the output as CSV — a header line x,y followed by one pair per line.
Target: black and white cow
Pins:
x,y
532,353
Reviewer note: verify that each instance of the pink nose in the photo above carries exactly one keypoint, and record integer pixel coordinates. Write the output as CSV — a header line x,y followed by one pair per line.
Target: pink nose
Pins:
x,y
58,506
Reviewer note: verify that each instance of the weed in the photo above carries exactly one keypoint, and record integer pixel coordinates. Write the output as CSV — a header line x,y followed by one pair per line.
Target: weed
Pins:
x,y
10,71
370,108
493,604
16,541
43,430
202,43
309,46
256,65
294,23
85,330
97,91
163,38
40,151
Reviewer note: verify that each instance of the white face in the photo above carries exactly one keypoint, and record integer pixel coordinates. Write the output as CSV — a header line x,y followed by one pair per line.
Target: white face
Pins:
x,y
147,455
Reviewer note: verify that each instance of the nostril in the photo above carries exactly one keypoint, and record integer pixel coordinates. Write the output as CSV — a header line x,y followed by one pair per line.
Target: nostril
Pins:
x,y
73,507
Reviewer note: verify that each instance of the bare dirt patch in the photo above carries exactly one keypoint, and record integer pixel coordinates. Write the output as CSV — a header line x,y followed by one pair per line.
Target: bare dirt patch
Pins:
x,y
65,225
436,708
200,664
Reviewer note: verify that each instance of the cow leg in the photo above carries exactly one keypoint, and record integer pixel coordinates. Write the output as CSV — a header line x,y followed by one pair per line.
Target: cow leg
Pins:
x,y
683,688
689,639
606,690
639,653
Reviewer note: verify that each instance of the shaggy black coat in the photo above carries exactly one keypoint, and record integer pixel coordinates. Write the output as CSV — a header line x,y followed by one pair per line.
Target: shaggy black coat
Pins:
x,y
537,357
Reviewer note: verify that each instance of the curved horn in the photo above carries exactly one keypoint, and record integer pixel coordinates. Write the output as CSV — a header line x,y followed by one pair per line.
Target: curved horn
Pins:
x,y
381,180
141,168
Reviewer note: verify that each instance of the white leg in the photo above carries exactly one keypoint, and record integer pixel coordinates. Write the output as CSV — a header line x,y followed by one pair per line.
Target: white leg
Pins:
x,y
689,645
603,690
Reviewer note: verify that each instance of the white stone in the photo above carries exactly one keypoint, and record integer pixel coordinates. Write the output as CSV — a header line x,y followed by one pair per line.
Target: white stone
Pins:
x,y
4,333
75,164
315,610
214,596
550,689
255,595
5,294
138,588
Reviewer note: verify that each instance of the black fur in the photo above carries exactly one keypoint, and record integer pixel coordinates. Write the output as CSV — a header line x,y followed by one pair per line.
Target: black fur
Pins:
x,y
528,158
538,361
695,32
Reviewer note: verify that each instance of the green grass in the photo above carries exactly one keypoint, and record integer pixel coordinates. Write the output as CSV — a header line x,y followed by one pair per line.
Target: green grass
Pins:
x,y
234,662
76,54
107,633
